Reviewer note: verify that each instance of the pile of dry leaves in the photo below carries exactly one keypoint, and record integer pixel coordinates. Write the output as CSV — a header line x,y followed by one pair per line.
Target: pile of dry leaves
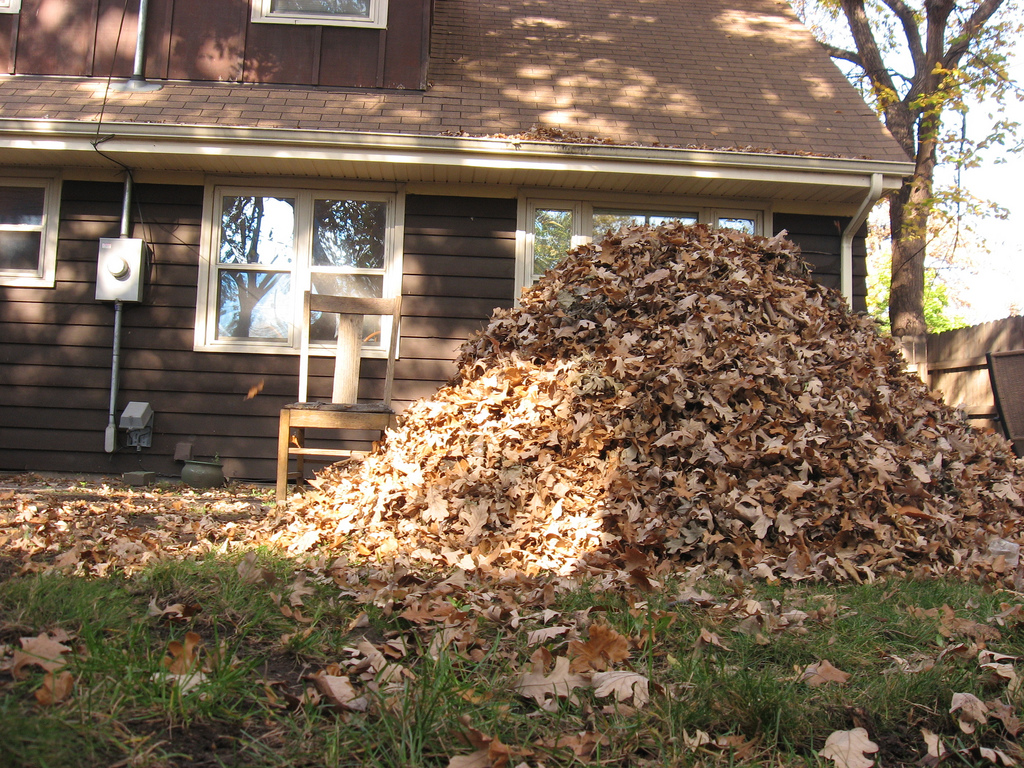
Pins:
x,y
683,395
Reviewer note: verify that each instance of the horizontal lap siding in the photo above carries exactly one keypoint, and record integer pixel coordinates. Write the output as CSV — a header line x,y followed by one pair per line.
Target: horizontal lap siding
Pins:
x,y
819,240
203,41
56,344
459,266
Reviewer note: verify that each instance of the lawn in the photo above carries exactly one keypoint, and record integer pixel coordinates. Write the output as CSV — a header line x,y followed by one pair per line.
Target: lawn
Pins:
x,y
169,627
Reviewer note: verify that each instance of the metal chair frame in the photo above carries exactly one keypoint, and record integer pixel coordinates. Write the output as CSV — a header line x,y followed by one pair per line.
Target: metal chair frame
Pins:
x,y
1006,373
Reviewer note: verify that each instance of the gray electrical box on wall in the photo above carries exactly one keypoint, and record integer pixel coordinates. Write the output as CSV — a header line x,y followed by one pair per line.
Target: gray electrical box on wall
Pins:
x,y
119,269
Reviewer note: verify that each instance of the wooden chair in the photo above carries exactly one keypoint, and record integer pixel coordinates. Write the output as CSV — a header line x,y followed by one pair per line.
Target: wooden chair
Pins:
x,y
1006,372
343,412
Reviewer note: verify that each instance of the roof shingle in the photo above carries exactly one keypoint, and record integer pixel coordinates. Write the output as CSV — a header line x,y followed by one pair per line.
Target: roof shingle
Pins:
x,y
720,74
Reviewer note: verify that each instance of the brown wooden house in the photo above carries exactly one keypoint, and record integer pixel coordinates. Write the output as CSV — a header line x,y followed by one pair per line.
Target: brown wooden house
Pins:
x,y
233,153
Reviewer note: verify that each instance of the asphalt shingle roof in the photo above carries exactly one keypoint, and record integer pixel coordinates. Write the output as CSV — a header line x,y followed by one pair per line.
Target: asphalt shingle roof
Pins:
x,y
716,74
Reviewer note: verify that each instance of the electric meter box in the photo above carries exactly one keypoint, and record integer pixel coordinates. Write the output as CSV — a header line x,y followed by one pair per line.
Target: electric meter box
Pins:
x,y
119,269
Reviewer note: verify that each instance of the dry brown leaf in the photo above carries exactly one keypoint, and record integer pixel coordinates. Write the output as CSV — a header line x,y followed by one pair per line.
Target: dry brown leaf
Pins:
x,y
56,688
822,672
970,710
849,749
41,651
543,687
603,648
338,690
997,756
707,638
936,750
624,685
1006,715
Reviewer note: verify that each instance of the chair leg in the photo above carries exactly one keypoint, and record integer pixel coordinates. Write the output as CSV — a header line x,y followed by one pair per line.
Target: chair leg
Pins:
x,y
300,460
283,435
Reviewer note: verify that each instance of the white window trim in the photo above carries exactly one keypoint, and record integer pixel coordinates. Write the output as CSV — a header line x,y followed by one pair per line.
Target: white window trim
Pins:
x,y
262,13
10,6
707,212
206,299
45,275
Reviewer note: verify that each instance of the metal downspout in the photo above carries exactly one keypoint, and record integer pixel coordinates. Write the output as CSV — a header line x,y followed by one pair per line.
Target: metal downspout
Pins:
x,y
110,435
846,241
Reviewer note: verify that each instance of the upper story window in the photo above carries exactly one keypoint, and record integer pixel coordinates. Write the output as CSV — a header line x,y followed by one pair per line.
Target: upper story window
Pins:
x,y
340,13
28,231
549,228
265,247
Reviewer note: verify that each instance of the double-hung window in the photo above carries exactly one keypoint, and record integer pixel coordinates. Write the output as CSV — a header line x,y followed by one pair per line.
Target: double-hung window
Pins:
x,y
266,247
342,13
28,231
549,228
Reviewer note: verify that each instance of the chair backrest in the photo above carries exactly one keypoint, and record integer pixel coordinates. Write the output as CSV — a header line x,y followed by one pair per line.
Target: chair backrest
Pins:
x,y
1006,372
350,311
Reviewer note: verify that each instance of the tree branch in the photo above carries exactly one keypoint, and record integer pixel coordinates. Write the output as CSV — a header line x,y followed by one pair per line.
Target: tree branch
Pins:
x,y
959,45
841,53
911,31
871,59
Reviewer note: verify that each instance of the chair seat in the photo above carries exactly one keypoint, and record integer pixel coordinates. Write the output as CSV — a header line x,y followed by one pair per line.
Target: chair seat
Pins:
x,y
341,407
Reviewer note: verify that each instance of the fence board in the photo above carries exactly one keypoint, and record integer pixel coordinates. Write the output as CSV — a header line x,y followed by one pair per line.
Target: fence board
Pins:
x,y
957,368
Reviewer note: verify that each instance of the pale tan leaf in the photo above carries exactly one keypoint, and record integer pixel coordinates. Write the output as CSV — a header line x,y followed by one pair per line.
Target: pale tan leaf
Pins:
x,y
849,749
41,651
972,711
624,685
997,756
339,691
936,750
823,672
559,683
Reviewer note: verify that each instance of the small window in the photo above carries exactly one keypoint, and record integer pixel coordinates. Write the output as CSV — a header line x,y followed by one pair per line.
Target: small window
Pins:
x,y
342,13
10,6
28,232
266,247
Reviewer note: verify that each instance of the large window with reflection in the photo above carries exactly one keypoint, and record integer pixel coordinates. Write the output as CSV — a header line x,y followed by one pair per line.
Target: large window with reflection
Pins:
x,y
549,228
266,247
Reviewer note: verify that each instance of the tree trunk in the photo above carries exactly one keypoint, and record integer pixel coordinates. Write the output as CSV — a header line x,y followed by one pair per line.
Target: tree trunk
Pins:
x,y
909,225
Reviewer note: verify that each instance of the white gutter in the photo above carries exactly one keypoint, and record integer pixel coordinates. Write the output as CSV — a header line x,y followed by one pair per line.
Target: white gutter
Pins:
x,y
275,144
846,241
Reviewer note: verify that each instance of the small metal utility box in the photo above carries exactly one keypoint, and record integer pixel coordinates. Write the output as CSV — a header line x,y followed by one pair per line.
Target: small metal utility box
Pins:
x,y
119,269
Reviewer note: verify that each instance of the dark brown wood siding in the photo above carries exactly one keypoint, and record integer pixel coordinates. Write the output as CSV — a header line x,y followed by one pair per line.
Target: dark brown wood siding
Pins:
x,y
57,344
215,41
819,240
8,31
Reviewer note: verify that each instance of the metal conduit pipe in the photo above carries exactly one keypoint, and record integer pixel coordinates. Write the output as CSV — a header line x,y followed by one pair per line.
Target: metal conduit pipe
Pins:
x,y
110,434
846,241
138,82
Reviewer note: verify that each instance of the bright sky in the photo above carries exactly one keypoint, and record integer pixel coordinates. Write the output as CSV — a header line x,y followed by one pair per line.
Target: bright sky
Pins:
x,y
999,282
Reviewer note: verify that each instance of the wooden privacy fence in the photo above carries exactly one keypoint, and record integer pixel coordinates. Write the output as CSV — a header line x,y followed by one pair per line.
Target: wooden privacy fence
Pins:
x,y
956,366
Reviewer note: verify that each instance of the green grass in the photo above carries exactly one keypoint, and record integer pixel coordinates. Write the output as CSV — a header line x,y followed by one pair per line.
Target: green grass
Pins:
x,y
259,705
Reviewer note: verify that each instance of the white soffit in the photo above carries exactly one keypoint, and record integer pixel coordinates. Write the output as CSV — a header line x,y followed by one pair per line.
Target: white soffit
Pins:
x,y
443,160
